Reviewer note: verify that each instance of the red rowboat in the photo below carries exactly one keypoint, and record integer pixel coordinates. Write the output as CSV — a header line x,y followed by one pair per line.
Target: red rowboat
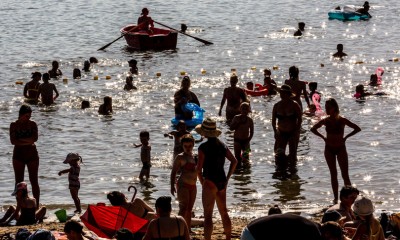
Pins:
x,y
160,39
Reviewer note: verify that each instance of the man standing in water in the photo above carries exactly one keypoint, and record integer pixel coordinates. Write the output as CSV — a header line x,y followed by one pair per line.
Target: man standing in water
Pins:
x,y
234,96
46,90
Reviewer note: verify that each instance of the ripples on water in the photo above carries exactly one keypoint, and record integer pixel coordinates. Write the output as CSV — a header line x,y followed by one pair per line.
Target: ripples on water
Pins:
x,y
247,37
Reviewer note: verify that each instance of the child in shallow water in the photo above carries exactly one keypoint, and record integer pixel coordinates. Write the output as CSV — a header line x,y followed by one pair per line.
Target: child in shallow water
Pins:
x,y
74,160
144,155
177,134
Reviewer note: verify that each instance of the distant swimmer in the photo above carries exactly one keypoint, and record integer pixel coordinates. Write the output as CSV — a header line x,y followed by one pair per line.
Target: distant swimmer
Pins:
x,y
31,89
146,20
300,31
46,90
76,74
129,84
86,66
133,67
339,53
361,93
106,107
364,10
269,83
55,72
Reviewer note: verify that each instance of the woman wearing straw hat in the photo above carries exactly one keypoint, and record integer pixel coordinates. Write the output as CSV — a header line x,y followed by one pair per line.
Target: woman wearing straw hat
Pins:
x,y
211,174
366,226
286,123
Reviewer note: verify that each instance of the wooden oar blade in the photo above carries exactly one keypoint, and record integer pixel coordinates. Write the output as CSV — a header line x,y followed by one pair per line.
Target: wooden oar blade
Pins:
x,y
107,45
203,41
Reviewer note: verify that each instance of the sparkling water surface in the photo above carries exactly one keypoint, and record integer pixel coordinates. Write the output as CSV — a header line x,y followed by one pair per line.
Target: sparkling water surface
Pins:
x,y
247,36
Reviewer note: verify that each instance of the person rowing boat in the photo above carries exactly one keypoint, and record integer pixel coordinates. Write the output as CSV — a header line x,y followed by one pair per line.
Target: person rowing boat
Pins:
x,y
146,20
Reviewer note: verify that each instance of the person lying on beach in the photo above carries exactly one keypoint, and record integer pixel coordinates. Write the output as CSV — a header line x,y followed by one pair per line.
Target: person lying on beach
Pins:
x,y
55,72
176,135
243,126
129,84
144,155
46,90
74,231
26,212
166,226
288,227
138,207
339,54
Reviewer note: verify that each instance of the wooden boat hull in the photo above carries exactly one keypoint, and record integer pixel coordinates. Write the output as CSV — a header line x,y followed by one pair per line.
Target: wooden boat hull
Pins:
x,y
160,39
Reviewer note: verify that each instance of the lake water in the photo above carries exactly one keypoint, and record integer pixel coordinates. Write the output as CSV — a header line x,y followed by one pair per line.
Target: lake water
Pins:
x,y
245,35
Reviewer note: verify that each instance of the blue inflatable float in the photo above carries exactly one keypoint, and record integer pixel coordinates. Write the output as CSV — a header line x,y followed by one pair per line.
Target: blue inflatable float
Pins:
x,y
197,118
347,13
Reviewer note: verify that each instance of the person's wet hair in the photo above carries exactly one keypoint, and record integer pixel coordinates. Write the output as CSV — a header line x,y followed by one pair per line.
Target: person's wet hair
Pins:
x,y
93,60
46,76
164,203
144,134
107,100
116,198
76,73
359,88
86,66
85,104
313,85
72,225
36,74
24,109
234,78
274,210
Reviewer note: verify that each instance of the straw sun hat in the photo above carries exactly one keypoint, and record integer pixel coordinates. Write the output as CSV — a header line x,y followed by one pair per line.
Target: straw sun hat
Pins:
x,y
208,128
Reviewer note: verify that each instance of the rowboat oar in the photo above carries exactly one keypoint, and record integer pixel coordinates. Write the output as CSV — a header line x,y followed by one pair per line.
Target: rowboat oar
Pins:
x,y
198,39
132,30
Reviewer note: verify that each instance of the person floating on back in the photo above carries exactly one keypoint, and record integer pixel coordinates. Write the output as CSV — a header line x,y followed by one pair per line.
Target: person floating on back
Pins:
x,y
300,31
55,72
144,155
46,90
74,160
339,54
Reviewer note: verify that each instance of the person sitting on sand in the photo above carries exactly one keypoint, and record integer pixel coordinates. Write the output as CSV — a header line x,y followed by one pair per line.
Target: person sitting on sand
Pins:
x,y
26,212
176,135
183,96
365,226
234,96
364,10
106,107
138,207
129,84
31,89
347,196
243,126
185,188
74,231
46,90
269,83
55,72
288,227
339,54
166,226
300,31
146,19
133,69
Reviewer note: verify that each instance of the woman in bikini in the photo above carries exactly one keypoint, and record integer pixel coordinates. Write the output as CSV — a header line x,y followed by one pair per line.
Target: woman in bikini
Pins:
x,y
137,207
186,185
23,135
286,123
211,174
335,143
234,96
166,227
31,89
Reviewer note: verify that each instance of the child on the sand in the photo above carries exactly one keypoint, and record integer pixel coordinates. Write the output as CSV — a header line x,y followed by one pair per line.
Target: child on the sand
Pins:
x,y
244,130
74,160
144,155
177,134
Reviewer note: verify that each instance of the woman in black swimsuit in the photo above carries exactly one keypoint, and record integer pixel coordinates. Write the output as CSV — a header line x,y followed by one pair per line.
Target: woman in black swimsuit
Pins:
x,y
335,143
211,174
166,227
287,128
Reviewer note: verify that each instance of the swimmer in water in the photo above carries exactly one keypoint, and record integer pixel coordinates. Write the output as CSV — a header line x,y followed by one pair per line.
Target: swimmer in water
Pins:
x,y
106,107
361,93
55,72
269,83
364,10
300,31
133,67
129,84
144,155
76,74
46,90
335,143
339,54
31,89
